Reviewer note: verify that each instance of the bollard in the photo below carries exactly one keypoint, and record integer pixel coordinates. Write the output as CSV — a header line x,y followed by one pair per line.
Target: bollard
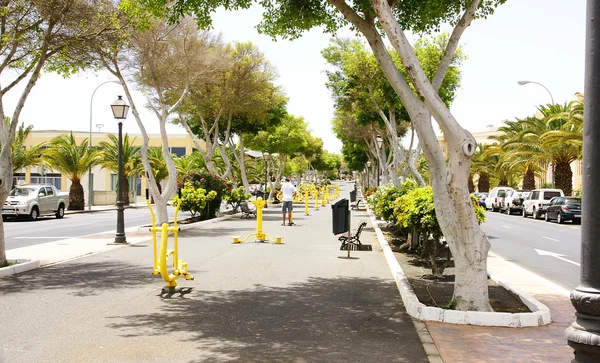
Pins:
x,y
316,194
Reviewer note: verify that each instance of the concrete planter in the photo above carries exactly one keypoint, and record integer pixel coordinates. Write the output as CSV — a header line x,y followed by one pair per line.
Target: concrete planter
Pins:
x,y
539,316
20,266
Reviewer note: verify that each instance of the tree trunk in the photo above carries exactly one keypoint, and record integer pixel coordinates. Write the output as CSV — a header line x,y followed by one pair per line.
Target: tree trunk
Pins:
x,y
241,161
564,178
125,184
483,185
5,185
529,180
76,198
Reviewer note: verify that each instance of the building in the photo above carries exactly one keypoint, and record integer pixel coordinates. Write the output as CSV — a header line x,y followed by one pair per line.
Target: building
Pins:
x,y
104,182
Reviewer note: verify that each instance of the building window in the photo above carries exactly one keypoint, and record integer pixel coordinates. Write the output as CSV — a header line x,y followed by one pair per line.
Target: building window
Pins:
x,y
179,151
113,181
48,178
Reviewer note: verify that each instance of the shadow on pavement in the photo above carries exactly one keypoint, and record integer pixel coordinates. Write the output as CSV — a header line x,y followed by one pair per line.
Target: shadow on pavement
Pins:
x,y
327,320
80,278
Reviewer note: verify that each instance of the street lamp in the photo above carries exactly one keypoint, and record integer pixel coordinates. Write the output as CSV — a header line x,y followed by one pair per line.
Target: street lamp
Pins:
x,y
120,109
368,181
90,181
522,83
379,143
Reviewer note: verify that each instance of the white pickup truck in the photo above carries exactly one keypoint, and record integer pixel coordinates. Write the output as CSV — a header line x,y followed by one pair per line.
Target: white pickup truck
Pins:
x,y
34,201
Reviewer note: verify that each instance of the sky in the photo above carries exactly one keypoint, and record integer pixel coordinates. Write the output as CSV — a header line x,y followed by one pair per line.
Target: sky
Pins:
x,y
535,40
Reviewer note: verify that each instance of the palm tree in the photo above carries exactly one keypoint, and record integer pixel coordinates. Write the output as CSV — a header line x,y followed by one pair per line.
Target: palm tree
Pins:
x,y
157,163
109,159
188,163
480,166
522,153
65,156
563,139
21,156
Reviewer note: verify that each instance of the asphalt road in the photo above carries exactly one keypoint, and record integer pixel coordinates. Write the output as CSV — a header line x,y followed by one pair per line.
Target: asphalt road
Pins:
x,y
22,233
558,246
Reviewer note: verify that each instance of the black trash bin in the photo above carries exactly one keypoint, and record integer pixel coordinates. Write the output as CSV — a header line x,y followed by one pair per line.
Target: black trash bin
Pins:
x,y
340,216
353,195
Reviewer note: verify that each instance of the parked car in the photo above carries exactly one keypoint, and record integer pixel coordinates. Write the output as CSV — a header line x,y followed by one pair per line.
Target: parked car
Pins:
x,y
537,202
513,201
34,201
564,209
493,200
481,198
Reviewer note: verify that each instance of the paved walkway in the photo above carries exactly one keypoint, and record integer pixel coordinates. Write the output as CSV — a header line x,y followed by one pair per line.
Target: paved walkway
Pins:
x,y
253,302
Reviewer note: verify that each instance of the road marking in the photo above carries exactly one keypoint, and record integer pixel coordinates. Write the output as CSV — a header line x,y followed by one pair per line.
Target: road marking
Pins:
x,y
42,237
556,255
551,239
507,227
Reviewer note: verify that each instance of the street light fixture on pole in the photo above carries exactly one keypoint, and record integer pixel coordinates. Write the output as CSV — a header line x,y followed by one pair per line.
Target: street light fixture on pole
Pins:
x,y
120,109
368,181
379,144
522,83
90,181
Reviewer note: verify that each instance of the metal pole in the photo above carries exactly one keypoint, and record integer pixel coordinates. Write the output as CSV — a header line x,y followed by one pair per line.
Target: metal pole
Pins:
x,y
120,236
378,171
584,334
90,181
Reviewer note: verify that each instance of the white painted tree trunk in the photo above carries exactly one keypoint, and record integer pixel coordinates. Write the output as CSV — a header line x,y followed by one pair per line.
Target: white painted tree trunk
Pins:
x,y
468,244
211,140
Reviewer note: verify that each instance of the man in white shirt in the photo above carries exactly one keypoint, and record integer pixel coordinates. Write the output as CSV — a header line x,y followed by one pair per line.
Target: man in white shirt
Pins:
x,y
288,190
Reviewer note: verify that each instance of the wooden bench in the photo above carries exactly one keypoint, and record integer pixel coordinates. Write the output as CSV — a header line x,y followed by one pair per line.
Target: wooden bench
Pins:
x,y
354,239
246,211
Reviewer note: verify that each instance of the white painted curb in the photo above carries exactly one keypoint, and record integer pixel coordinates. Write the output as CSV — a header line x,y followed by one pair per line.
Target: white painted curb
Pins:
x,y
21,266
539,316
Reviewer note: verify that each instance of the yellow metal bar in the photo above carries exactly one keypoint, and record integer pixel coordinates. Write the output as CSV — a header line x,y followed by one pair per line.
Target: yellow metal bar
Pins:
x,y
164,240
316,199
306,201
176,237
153,230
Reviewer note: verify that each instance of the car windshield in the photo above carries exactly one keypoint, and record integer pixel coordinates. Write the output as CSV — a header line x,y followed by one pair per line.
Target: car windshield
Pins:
x,y
572,200
21,192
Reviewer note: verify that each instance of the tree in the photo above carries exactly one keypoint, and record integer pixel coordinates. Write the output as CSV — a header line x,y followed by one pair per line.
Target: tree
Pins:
x,y
51,35
109,159
375,19
67,157
22,156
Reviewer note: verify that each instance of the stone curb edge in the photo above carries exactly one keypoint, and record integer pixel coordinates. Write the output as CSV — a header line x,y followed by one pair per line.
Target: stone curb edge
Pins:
x,y
539,316
21,266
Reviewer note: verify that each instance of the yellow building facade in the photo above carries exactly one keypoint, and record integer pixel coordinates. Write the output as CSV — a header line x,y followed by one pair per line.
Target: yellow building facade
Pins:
x,y
103,180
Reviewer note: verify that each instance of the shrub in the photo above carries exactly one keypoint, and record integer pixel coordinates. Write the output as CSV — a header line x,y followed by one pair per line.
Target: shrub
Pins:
x,y
195,200
384,199
208,182
234,197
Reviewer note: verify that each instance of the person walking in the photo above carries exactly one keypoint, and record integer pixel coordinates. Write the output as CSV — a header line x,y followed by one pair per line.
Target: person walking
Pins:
x,y
288,190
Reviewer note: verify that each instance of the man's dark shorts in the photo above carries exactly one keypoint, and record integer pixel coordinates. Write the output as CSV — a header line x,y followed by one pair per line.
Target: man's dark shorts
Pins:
x,y
287,206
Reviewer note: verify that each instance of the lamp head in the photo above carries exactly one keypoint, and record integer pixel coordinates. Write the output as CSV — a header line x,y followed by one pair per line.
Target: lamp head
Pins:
x,y
120,108
379,141
368,164
523,82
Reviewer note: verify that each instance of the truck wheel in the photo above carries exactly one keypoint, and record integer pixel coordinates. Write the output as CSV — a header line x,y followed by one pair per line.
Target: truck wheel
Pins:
x,y
34,214
4,218
535,214
524,213
60,212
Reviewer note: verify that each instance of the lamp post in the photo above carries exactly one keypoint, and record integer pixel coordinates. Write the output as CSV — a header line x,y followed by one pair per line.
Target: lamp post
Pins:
x,y
522,83
90,181
379,143
584,334
120,109
368,180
